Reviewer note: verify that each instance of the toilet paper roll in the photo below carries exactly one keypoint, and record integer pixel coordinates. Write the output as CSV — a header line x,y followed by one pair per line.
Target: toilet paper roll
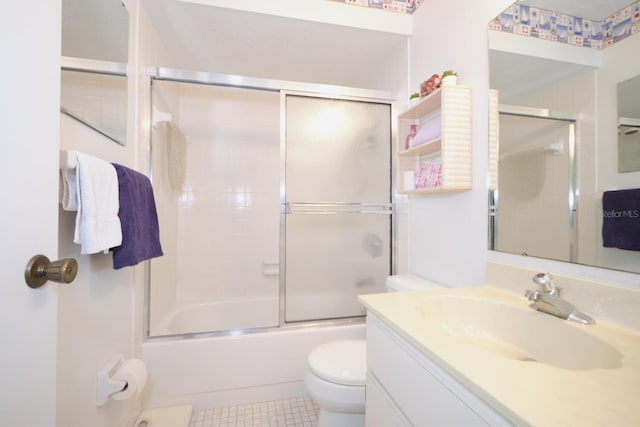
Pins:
x,y
134,373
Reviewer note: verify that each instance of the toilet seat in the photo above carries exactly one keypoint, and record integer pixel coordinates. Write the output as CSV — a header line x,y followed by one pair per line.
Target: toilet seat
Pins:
x,y
341,362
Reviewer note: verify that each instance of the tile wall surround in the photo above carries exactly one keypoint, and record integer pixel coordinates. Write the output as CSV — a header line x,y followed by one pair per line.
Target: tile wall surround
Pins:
x,y
558,27
401,6
231,194
599,299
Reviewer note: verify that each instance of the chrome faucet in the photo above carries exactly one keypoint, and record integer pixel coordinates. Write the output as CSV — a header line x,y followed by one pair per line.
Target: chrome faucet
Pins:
x,y
547,299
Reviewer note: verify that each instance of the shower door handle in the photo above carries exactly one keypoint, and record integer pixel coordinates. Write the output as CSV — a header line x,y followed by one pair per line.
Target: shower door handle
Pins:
x,y
289,208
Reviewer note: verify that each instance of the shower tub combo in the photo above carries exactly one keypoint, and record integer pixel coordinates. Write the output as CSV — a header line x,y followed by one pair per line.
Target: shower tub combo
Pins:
x,y
275,212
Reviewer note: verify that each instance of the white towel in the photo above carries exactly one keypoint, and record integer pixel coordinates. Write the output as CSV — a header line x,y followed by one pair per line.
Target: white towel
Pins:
x,y
92,189
69,198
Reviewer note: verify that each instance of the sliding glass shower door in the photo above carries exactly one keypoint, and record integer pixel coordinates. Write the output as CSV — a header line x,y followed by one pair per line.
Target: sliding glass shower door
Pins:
x,y
266,199
336,206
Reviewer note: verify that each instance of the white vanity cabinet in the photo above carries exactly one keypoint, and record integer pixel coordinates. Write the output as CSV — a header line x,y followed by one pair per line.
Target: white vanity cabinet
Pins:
x,y
405,388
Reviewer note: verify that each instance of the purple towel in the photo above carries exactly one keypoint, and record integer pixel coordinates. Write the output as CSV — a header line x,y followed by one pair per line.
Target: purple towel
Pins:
x,y
139,219
621,219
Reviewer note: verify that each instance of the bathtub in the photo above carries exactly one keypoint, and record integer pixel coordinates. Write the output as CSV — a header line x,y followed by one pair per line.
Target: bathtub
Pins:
x,y
219,316
214,371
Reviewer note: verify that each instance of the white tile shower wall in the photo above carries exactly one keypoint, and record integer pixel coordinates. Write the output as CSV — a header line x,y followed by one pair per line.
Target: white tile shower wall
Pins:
x,y
229,208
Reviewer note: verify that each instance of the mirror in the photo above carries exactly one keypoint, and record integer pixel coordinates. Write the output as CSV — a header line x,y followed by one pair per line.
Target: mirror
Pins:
x,y
96,100
93,81
559,142
629,125
95,29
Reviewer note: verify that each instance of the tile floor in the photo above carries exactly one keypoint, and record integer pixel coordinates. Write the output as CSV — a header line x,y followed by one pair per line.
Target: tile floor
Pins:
x,y
296,412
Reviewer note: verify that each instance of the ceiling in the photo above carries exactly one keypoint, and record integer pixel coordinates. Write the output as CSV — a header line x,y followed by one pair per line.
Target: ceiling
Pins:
x,y
592,9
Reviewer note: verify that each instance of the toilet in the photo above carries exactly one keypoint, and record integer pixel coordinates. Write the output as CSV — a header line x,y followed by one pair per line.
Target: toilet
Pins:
x,y
336,371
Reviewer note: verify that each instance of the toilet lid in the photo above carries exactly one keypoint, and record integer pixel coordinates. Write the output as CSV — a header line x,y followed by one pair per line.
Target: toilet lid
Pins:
x,y
341,362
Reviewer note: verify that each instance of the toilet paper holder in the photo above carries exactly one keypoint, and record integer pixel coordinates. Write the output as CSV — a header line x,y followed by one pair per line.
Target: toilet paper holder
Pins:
x,y
107,385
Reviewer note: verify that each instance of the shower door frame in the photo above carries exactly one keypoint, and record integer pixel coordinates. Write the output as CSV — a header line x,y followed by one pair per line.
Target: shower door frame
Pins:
x,y
573,190
283,87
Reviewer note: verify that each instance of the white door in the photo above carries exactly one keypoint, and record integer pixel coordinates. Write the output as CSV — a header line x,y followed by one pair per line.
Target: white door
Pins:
x,y
29,144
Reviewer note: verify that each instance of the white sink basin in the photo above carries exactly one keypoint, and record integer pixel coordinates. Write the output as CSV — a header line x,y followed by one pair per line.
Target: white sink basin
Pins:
x,y
519,333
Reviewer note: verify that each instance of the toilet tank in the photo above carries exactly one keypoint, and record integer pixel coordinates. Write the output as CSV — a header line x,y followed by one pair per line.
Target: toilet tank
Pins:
x,y
408,282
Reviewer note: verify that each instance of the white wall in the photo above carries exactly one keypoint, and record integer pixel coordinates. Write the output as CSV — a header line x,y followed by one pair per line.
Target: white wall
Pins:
x,y
95,313
99,315
448,233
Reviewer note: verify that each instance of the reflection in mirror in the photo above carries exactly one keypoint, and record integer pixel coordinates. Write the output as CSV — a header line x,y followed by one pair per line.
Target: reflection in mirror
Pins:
x,y
526,218
535,201
533,207
629,125
539,64
95,29
98,101
94,86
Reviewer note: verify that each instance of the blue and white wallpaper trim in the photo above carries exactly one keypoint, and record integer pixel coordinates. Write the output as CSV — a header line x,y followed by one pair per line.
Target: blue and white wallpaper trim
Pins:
x,y
402,6
548,25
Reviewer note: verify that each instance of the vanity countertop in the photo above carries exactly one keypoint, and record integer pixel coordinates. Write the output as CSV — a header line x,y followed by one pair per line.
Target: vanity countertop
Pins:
x,y
525,391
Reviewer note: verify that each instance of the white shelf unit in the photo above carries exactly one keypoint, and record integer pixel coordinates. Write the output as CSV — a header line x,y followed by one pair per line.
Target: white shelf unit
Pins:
x,y
452,148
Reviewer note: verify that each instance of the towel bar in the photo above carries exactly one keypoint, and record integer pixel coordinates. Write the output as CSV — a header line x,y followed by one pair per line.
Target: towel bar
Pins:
x,y
68,159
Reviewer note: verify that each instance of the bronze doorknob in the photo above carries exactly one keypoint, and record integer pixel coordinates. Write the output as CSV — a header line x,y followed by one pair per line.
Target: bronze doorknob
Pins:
x,y
40,269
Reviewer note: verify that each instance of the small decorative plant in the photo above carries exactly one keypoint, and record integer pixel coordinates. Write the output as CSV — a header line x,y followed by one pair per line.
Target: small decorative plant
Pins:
x,y
414,95
449,77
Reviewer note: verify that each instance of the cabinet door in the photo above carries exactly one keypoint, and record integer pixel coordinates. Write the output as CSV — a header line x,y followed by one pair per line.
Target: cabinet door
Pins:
x,y
419,393
381,411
